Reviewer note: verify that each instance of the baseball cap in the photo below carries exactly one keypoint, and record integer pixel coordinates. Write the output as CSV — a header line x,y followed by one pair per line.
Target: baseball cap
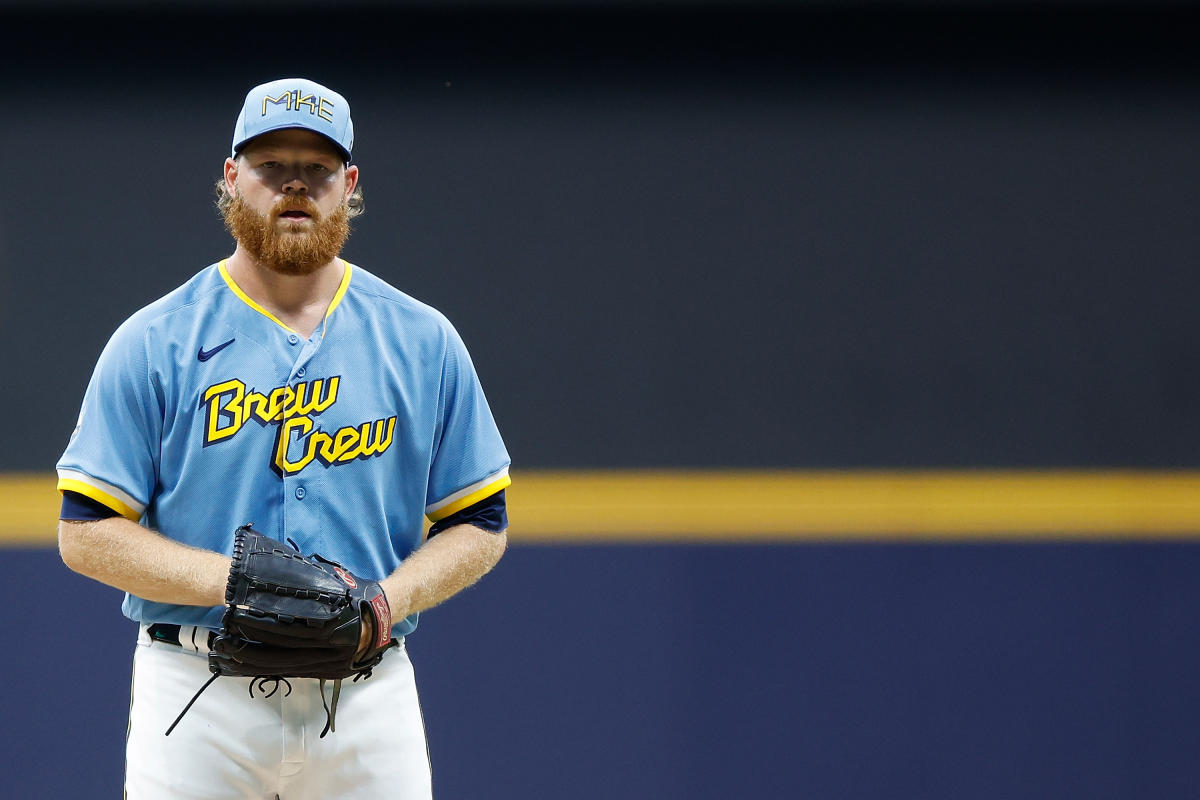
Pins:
x,y
295,103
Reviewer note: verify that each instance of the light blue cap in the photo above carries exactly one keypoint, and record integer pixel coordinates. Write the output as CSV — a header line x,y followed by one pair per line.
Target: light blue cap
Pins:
x,y
295,103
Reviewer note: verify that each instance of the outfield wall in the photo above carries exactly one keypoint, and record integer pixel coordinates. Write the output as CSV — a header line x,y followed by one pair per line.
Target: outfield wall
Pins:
x,y
688,671
846,355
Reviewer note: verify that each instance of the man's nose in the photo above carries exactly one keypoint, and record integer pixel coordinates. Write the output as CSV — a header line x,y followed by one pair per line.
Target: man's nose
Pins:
x,y
295,185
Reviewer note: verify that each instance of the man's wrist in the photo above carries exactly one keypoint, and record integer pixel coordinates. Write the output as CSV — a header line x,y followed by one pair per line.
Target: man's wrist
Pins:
x,y
398,599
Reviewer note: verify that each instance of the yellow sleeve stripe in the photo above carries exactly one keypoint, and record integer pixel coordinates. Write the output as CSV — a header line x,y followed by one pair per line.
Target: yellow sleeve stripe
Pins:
x,y
87,490
458,501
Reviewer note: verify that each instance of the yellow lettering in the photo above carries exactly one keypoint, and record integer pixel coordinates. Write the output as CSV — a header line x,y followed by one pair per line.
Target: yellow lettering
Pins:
x,y
301,426
325,109
301,100
285,98
344,442
281,398
257,407
309,399
231,409
228,406
321,442
376,437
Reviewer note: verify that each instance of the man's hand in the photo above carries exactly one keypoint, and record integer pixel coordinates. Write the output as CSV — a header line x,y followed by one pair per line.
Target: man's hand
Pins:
x,y
292,616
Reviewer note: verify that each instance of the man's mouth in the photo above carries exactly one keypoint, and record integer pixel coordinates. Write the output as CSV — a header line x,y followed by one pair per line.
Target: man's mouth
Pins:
x,y
294,214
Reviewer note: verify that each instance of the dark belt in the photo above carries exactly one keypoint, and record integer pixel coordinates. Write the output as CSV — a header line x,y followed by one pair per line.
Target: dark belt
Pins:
x,y
169,634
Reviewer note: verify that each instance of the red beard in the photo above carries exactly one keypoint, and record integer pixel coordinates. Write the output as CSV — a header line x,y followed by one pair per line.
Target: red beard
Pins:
x,y
277,245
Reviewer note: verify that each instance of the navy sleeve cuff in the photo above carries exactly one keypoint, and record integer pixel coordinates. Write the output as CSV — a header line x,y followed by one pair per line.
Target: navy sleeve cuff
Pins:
x,y
81,508
490,514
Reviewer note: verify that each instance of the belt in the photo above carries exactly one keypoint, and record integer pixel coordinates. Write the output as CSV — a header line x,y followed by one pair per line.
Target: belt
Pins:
x,y
188,637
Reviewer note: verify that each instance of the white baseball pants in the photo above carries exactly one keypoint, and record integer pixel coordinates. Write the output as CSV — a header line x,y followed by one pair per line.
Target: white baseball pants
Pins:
x,y
234,746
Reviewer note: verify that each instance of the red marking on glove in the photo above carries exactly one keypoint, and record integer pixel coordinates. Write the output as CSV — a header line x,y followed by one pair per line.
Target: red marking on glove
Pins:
x,y
383,620
346,577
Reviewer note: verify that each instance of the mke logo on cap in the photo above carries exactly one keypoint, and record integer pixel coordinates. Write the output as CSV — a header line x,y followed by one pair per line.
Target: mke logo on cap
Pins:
x,y
318,106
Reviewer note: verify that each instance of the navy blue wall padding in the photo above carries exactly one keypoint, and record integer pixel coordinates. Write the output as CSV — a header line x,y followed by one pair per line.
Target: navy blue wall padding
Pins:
x,y
917,672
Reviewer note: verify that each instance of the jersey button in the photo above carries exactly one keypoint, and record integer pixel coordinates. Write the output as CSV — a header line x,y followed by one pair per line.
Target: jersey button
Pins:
x,y
293,338
300,492
300,372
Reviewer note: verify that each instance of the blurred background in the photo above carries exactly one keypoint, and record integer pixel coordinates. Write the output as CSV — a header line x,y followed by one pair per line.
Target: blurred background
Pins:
x,y
739,248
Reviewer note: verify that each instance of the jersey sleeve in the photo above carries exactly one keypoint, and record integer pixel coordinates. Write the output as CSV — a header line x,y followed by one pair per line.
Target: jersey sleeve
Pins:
x,y
112,456
470,462
489,514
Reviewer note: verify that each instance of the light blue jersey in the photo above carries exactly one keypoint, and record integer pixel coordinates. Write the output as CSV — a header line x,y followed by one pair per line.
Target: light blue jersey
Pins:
x,y
205,412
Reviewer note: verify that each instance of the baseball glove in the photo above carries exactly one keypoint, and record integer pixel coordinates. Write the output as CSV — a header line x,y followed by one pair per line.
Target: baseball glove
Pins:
x,y
292,616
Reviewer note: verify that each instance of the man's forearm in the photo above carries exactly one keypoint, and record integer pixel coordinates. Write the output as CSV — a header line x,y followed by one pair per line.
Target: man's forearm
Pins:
x,y
142,562
442,567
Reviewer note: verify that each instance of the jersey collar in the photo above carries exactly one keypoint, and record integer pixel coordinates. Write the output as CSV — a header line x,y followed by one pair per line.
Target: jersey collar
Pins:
x,y
347,269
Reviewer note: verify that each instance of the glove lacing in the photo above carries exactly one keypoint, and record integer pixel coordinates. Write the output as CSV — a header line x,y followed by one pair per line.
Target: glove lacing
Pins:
x,y
259,683
275,681
331,707
195,697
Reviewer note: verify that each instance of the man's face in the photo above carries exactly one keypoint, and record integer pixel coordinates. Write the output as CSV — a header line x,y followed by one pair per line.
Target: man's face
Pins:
x,y
289,192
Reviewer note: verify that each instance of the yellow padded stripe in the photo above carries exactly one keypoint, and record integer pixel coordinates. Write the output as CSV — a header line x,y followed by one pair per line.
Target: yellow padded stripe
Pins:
x,y
70,484
743,506
787,506
470,500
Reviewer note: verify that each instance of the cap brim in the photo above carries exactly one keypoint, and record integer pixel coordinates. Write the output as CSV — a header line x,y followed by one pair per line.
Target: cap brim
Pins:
x,y
237,148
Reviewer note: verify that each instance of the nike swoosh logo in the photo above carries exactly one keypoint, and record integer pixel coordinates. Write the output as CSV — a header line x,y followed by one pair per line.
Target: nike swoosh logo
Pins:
x,y
205,355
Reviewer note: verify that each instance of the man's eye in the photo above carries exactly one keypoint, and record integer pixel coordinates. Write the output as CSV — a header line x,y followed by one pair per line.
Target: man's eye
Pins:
x,y
318,168
269,164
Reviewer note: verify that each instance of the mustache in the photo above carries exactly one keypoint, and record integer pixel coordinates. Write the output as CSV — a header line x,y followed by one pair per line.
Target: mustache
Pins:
x,y
296,203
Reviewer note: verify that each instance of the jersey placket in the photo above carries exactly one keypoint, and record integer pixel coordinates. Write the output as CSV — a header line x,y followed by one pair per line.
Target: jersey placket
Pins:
x,y
301,518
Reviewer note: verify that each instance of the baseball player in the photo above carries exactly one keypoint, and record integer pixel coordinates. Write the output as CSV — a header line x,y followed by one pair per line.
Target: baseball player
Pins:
x,y
287,389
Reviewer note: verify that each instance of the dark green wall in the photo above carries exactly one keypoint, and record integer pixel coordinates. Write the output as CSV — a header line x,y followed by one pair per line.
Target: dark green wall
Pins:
x,y
786,236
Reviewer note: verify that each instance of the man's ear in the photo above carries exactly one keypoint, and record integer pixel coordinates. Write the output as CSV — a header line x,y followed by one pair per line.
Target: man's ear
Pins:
x,y
231,173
